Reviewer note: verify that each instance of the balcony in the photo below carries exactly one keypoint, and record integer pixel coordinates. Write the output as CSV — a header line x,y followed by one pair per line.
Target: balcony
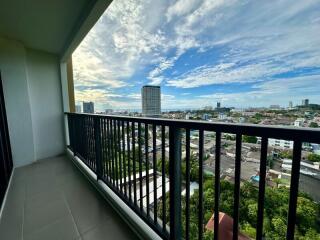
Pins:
x,y
115,177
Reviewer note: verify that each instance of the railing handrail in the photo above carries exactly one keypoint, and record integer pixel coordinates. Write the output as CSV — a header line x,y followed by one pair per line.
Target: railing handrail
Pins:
x,y
290,133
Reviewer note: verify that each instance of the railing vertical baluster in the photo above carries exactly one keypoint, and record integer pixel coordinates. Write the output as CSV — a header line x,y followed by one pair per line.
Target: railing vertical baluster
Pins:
x,y
155,198
200,217
107,148
105,167
237,187
124,161
83,135
72,129
73,119
262,185
294,187
133,126
93,163
217,185
120,156
129,162
187,234
108,152
90,142
112,152
163,171
146,149
72,132
103,148
140,166
116,153
98,148
77,139
175,182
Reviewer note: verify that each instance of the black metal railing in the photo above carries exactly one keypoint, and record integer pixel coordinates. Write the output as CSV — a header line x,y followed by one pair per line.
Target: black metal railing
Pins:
x,y
140,160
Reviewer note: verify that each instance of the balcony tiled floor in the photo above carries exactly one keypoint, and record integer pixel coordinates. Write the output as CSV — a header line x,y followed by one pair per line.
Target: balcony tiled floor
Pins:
x,y
51,199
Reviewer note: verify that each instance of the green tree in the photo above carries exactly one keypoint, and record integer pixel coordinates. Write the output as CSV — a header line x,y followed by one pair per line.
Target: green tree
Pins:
x,y
279,226
249,139
313,125
270,161
275,210
286,154
311,234
306,214
247,229
314,157
252,212
230,137
208,235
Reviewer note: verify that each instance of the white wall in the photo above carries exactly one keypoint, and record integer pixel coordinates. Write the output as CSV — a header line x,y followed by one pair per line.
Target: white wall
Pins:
x,y
43,71
32,90
15,85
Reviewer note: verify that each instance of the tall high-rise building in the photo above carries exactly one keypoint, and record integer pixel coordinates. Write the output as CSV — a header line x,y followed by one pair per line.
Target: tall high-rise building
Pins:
x,y
218,105
305,102
151,100
88,107
78,108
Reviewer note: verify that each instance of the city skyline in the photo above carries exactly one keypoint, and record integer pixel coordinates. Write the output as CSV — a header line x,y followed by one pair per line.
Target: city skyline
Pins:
x,y
239,56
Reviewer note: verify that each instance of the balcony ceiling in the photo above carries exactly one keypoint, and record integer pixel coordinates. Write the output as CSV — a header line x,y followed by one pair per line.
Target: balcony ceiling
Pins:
x,y
50,26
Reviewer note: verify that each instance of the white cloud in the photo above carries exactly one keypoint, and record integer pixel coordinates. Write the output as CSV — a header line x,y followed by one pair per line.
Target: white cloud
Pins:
x,y
181,7
259,39
118,45
278,91
225,73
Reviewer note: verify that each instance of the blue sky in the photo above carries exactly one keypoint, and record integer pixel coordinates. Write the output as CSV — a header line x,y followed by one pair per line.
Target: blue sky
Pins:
x,y
241,53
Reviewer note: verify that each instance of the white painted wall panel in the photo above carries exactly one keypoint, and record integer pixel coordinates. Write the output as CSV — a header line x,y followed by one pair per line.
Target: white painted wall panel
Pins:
x,y
43,71
32,91
15,85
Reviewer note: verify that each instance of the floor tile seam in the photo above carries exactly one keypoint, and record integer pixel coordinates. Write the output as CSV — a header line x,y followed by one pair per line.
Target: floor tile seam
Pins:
x,y
70,212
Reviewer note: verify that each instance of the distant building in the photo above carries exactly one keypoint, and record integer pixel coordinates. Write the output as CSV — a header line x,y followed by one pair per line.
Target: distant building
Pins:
x,y
208,108
218,105
151,101
242,119
88,107
290,105
305,102
275,107
299,122
205,116
78,108
278,143
222,116
108,111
